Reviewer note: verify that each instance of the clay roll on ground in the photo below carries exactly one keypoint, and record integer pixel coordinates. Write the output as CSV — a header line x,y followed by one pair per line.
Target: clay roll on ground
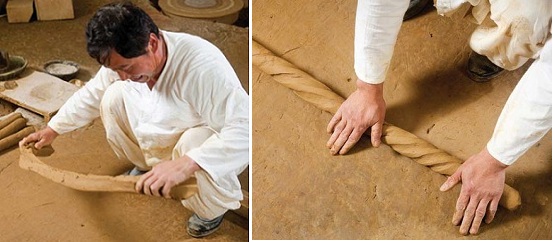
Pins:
x,y
401,141
28,160
95,183
14,138
12,130
13,127
9,119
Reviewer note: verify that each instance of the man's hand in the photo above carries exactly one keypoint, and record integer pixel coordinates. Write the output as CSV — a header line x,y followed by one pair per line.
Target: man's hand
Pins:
x,y
42,138
482,178
165,175
363,109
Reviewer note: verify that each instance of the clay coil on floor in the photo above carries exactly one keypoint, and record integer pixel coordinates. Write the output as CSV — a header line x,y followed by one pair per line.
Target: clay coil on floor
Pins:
x,y
95,183
403,142
9,119
14,138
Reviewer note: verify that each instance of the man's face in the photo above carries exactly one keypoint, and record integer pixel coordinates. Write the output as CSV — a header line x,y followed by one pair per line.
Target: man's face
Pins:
x,y
137,69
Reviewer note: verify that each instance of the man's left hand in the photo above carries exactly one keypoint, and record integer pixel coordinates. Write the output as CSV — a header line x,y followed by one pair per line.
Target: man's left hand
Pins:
x,y
482,178
165,175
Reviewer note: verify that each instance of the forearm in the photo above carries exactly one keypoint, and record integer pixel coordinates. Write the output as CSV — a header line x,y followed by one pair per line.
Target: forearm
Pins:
x,y
189,165
527,115
376,31
374,90
224,153
83,106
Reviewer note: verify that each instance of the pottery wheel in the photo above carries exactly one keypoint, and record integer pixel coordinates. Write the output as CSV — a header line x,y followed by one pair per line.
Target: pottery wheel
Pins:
x,y
201,8
4,61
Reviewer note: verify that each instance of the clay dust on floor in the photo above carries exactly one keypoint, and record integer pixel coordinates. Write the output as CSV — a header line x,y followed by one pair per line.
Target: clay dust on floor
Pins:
x,y
36,209
302,192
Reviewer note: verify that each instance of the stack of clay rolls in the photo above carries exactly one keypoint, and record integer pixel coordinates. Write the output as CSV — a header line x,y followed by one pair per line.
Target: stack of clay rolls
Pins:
x,y
13,128
401,141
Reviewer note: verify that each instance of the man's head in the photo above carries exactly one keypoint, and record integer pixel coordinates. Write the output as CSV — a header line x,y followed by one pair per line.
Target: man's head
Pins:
x,y
124,38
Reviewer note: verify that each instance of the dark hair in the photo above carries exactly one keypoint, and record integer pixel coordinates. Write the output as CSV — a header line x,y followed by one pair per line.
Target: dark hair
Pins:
x,y
121,26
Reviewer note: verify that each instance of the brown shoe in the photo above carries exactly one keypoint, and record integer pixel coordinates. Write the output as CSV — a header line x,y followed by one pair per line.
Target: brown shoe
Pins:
x,y
481,69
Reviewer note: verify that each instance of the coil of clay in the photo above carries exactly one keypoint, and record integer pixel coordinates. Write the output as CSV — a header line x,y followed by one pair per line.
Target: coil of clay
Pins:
x,y
95,183
403,142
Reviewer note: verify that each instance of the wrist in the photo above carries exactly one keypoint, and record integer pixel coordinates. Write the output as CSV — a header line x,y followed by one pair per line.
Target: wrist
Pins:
x,y
52,132
191,165
372,89
493,162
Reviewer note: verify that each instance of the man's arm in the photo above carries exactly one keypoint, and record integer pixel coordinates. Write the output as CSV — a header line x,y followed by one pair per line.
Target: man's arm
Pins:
x,y
377,27
210,85
525,119
216,94
226,110
84,105
80,109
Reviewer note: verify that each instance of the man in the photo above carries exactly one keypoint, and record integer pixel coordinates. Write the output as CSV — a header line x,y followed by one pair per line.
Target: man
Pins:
x,y
171,104
521,33
479,67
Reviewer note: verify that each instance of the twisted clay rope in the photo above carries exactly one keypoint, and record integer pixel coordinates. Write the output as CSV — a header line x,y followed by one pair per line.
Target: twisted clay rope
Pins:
x,y
104,183
403,142
95,183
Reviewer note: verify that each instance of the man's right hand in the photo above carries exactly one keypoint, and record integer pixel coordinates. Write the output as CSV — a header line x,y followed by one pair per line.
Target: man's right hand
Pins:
x,y
363,109
41,138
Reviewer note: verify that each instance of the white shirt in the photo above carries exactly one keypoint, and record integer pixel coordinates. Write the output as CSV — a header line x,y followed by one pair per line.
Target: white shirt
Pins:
x,y
197,87
527,115
528,112
377,26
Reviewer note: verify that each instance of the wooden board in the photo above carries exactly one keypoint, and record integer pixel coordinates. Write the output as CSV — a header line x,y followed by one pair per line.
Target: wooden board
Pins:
x,y
39,92
19,11
54,9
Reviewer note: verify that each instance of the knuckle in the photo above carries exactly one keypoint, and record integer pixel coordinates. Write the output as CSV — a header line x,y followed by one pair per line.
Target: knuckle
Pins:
x,y
493,194
344,135
353,139
467,189
375,131
460,207
480,213
468,212
361,128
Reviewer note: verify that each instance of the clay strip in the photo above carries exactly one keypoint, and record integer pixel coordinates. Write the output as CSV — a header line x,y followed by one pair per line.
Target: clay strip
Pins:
x,y
9,119
13,139
401,141
94,183
13,127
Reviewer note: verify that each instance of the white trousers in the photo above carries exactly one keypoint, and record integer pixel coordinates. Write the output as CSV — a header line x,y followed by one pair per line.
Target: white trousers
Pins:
x,y
208,203
517,32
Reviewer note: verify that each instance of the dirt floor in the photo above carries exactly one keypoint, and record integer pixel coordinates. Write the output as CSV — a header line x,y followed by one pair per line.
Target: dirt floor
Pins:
x,y
302,192
36,209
